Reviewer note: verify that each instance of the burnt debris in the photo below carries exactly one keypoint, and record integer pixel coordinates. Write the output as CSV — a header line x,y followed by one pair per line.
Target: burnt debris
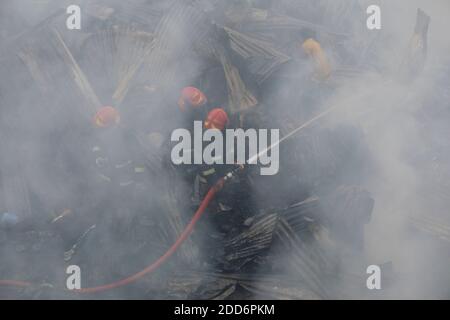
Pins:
x,y
113,202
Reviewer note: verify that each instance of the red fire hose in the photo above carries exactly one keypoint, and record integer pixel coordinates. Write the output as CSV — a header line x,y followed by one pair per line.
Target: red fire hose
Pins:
x,y
183,236
13,283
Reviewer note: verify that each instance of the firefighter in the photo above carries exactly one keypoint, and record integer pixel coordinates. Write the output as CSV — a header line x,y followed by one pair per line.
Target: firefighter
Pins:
x,y
322,68
118,197
193,104
208,175
119,165
116,151
416,55
232,205
217,119
191,98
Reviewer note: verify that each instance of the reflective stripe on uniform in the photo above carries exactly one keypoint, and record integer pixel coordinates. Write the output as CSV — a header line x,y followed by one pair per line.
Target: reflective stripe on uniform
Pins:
x,y
139,169
105,178
101,162
209,172
123,165
126,184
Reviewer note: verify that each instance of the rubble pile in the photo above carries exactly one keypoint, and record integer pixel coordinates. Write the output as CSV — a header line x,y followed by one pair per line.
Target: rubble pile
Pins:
x,y
112,201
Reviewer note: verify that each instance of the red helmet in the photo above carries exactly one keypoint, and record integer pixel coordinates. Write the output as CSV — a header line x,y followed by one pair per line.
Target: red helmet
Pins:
x,y
216,119
192,97
106,117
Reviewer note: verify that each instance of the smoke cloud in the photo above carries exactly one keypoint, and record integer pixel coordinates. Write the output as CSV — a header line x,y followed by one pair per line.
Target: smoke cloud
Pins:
x,y
381,136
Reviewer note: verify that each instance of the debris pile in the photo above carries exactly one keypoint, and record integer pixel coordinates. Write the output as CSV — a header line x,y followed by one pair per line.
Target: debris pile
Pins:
x,y
92,183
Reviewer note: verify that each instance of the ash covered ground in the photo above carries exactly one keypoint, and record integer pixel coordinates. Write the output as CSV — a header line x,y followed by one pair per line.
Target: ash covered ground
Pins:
x,y
87,179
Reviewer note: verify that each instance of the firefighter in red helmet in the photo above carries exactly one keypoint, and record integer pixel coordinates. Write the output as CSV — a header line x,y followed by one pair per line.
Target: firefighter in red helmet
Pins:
x,y
191,98
115,186
208,175
106,117
119,164
194,105
117,150
217,119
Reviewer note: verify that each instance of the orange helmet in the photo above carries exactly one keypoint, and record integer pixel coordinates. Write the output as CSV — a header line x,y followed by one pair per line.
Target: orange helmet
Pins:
x,y
322,64
106,117
216,119
192,97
